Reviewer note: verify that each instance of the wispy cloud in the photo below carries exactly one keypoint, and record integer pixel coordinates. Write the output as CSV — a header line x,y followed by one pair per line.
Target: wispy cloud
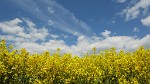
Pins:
x,y
54,15
133,11
54,36
121,1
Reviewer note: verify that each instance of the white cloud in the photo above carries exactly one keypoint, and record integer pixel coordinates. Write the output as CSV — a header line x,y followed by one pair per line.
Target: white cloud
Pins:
x,y
54,36
14,38
146,21
51,46
126,43
30,46
27,38
14,28
54,44
83,44
134,11
33,32
65,36
121,1
136,29
96,38
11,27
106,33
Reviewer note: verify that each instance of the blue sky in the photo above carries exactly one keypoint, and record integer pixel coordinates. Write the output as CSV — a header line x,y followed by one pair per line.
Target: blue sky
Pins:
x,y
75,26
